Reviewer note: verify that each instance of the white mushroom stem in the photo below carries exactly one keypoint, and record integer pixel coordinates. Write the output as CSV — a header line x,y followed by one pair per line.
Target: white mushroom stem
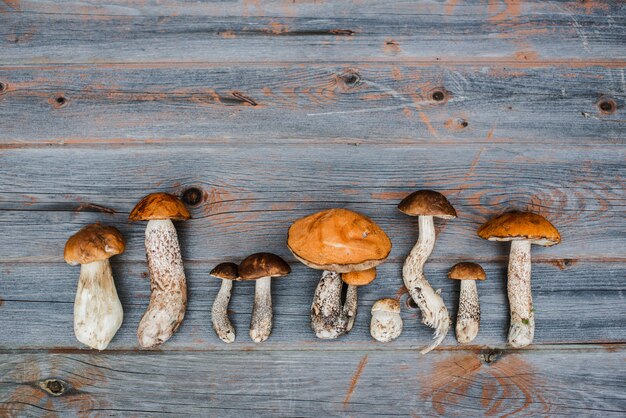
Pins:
x,y
168,298
468,317
434,312
219,314
261,323
98,313
522,329
329,318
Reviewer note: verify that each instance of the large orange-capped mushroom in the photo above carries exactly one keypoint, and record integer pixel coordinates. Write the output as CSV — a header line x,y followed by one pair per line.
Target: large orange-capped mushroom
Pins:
x,y
337,241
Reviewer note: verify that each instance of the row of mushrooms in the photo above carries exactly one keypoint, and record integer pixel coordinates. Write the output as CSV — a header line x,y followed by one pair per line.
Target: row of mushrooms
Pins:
x,y
345,245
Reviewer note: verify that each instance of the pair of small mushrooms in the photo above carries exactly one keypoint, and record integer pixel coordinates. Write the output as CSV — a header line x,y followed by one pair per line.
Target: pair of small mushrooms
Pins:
x,y
261,267
98,313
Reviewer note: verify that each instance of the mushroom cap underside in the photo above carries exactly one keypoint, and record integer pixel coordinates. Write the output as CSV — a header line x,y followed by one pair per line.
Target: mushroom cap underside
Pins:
x,y
94,242
514,226
259,265
467,271
359,278
427,203
159,206
227,271
338,240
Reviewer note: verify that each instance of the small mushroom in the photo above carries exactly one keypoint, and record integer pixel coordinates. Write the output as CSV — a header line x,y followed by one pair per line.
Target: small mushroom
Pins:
x,y
386,324
426,205
355,279
168,286
336,241
219,314
262,267
522,229
468,316
98,313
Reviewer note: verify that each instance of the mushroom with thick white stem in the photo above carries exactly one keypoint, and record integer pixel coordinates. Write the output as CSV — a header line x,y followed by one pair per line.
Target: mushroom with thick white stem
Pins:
x,y
219,314
98,313
468,316
522,229
168,286
336,241
262,267
426,205
386,323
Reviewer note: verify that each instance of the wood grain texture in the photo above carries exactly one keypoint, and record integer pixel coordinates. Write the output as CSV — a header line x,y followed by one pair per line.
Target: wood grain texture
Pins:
x,y
38,300
554,382
314,103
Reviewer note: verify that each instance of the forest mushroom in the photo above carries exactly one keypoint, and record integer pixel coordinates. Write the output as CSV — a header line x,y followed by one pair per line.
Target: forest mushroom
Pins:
x,y
522,229
98,313
168,297
386,323
262,267
219,314
468,316
426,205
354,279
336,241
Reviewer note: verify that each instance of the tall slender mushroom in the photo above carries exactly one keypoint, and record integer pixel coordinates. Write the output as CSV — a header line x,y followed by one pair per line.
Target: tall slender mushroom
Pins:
x,y
522,229
168,286
219,314
386,323
468,316
336,241
426,205
98,313
262,267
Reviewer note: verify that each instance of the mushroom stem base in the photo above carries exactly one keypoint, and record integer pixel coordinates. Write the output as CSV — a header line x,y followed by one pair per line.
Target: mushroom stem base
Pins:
x,y
522,329
219,314
468,317
329,317
261,323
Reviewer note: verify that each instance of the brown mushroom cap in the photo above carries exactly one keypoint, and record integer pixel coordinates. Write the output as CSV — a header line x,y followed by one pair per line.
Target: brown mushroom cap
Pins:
x,y
386,305
228,271
513,226
159,206
427,203
260,265
467,271
95,242
338,240
359,278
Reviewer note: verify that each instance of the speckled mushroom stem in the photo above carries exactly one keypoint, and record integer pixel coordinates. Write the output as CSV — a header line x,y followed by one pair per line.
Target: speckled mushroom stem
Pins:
x,y
329,318
522,328
219,313
168,298
434,311
468,317
261,323
98,313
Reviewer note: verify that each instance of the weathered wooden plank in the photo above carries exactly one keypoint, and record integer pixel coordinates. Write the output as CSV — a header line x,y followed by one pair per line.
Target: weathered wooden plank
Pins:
x,y
44,33
575,303
251,195
553,382
330,103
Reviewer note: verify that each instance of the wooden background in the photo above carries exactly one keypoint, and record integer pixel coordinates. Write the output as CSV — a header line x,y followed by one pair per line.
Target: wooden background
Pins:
x,y
276,109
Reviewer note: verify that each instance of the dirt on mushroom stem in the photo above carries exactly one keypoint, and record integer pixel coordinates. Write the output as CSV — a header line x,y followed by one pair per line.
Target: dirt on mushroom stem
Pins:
x,y
522,328
329,317
262,315
468,316
219,313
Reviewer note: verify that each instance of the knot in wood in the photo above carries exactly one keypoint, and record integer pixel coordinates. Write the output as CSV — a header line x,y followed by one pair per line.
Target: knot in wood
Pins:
x,y
607,105
491,355
3,87
192,196
54,387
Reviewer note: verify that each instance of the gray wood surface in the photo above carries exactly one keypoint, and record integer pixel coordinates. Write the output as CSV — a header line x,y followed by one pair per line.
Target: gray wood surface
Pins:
x,y
275,109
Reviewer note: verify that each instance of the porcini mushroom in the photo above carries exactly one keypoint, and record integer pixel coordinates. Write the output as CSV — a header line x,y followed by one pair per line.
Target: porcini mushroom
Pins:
x,y
336,241
168,297
522,229
262,267
468,316
98,313
219,314
426,205
386,323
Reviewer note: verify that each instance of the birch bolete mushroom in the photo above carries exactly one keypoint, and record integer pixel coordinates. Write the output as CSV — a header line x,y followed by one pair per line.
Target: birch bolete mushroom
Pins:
x,y
355,279
336,241
98,313
468,316
426,205
262,267
386,323
219,314
168,287
522,229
